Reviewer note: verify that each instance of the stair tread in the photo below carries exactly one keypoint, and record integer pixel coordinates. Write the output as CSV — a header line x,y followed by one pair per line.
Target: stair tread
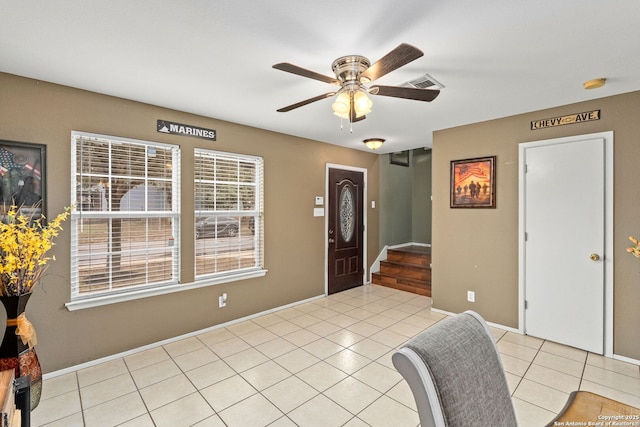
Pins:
x,y
414,249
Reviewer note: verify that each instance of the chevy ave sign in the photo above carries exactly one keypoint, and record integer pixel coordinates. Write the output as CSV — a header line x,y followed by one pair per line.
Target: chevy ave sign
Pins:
x,y
165,126
566,120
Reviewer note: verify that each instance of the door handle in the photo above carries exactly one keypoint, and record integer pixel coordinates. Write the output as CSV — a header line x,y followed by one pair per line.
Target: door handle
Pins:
x,y
595,257
331,240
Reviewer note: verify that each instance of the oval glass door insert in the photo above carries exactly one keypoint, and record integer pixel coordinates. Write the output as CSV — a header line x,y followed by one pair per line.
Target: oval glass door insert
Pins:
x,y
347,213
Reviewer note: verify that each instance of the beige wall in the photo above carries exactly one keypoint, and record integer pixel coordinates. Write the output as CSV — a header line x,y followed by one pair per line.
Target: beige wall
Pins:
x,y
477,249
38,112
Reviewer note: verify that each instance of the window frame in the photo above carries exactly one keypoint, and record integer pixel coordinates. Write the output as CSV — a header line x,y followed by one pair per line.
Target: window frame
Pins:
x,y
79,215
176,285
238,211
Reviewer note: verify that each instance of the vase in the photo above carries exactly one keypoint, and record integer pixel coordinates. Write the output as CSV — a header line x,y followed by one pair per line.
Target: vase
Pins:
x,y
14,353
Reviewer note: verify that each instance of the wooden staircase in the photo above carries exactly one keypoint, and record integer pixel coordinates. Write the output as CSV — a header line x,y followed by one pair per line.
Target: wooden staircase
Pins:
x,y
407,268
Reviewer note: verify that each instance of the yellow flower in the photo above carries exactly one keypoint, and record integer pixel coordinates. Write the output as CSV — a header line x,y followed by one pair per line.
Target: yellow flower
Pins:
x,y
635,248
24,242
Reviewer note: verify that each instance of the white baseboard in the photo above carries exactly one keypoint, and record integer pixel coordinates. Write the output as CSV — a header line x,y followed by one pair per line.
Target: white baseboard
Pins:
x,y
519,332
626,359
170,340
495,325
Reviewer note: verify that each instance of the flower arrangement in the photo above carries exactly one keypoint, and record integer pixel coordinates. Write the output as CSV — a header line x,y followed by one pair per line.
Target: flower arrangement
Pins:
x,y
635,248
24,243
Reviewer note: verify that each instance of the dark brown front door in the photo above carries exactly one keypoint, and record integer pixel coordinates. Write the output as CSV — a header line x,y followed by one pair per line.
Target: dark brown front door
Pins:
x,y
346,229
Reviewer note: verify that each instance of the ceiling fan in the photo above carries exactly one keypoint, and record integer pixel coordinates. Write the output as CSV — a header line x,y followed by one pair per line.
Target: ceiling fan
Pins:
x,y
353,75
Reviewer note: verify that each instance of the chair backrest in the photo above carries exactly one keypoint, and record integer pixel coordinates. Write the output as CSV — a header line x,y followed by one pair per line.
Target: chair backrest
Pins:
x,y
456,375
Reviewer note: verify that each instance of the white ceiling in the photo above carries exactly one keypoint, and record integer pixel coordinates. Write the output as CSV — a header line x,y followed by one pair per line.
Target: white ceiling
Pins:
x,y
496,58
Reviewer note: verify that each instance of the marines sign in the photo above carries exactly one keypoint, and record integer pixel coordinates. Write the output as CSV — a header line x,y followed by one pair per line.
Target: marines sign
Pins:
x,y
165,126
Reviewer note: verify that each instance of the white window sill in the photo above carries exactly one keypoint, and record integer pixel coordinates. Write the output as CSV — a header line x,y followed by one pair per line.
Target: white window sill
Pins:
x,y
81,304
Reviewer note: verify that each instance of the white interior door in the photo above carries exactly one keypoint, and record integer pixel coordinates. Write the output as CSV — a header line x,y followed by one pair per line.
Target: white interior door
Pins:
x,y
564,249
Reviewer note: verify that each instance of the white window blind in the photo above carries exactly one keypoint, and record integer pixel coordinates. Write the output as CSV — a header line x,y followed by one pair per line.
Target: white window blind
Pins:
x,y
228,213
125,218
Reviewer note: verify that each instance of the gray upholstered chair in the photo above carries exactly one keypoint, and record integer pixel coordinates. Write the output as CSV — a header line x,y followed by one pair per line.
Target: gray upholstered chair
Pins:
x,y
455,373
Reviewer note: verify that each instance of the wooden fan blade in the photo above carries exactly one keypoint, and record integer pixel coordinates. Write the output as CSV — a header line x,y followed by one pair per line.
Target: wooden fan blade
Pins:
x,y
401,55
305,102
405,92
294,69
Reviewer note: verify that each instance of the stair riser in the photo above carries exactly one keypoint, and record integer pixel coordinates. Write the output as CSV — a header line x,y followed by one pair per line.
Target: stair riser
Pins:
x,y
383,278
404,285
409,272
409,258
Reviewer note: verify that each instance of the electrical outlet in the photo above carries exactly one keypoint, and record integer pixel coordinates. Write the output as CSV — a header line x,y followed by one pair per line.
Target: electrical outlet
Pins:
x,y
222,300
471,296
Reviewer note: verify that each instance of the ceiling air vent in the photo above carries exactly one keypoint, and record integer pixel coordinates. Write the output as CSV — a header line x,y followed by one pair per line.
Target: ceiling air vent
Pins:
x,y
424,82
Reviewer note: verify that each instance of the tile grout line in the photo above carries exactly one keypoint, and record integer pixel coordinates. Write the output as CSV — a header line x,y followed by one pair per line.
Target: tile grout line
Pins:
x,y
395,317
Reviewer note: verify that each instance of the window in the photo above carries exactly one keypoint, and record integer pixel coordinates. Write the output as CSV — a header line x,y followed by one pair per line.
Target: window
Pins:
x,y
228,213
125,219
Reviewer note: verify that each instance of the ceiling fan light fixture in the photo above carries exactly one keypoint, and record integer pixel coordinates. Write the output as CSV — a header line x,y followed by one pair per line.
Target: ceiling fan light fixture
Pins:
x,y
373,143
353,73
361,103
341,105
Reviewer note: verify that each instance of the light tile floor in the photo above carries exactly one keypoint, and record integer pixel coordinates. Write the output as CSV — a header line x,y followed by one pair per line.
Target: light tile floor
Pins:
x,y
323,363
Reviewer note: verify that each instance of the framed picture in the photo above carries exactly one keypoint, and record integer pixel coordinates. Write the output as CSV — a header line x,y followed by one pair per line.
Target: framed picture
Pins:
x,y
400,158
22,178
473,183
